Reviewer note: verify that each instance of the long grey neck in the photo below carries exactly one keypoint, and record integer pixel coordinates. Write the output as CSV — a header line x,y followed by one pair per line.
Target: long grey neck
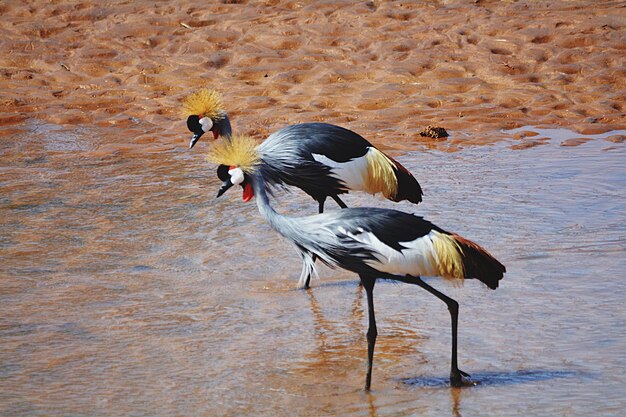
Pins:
x,y
291,228
282,224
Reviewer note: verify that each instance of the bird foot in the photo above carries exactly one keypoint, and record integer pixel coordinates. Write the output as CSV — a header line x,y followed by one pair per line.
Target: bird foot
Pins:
x,y
459,378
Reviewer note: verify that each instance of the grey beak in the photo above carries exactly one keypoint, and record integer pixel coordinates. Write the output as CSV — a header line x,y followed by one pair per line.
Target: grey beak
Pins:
x,y
225,186
194,139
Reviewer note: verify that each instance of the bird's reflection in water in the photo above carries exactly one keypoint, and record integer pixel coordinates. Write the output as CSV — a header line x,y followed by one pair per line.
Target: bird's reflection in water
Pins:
x,y
335,351
372,405
455,393
339,357
357,305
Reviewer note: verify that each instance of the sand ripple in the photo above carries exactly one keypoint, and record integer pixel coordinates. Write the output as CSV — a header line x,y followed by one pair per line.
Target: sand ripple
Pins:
x,y
384,69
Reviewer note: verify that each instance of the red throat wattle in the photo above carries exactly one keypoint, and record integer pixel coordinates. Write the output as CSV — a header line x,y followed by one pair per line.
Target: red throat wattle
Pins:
x,y
216,134
248,192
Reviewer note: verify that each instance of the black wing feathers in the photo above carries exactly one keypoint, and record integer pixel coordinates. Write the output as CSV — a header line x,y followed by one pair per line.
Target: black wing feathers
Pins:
x,y
334,142
390,226
343,145
313,178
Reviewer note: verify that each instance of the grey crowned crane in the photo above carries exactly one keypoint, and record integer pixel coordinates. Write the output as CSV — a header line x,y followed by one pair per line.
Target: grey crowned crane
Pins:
x,y
321,159
371,242
205,114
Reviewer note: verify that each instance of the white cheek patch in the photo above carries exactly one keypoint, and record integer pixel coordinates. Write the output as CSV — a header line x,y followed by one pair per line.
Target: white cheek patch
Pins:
x,y
206,123
236,176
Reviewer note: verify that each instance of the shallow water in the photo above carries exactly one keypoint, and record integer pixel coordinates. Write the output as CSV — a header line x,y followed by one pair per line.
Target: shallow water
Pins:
x,y
128,289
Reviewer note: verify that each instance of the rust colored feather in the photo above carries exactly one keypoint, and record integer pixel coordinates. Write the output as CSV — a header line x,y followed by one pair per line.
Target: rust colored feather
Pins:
x,y
478,263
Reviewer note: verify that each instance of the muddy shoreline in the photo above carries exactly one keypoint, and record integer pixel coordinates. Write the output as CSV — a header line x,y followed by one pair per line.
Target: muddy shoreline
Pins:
x,y
383,69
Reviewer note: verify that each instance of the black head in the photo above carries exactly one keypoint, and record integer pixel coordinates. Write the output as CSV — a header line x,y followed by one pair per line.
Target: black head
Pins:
x,y
222,172
194,125
232,176
220,126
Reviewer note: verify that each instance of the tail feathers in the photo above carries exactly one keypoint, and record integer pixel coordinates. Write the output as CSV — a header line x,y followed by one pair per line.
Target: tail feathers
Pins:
x,y
387,176
408,187
478,263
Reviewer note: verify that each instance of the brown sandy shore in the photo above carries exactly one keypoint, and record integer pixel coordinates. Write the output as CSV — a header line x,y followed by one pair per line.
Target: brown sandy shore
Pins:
x,y
385,69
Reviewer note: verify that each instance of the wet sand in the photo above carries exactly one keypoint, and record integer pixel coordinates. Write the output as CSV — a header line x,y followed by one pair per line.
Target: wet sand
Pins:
x,y
126,288
383,69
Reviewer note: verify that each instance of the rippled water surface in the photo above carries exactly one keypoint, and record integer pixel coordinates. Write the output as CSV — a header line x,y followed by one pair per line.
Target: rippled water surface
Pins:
x,y
128,289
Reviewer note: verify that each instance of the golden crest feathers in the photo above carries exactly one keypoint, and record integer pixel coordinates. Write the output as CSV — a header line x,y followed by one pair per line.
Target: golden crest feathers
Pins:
x,y
204,103
240,151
